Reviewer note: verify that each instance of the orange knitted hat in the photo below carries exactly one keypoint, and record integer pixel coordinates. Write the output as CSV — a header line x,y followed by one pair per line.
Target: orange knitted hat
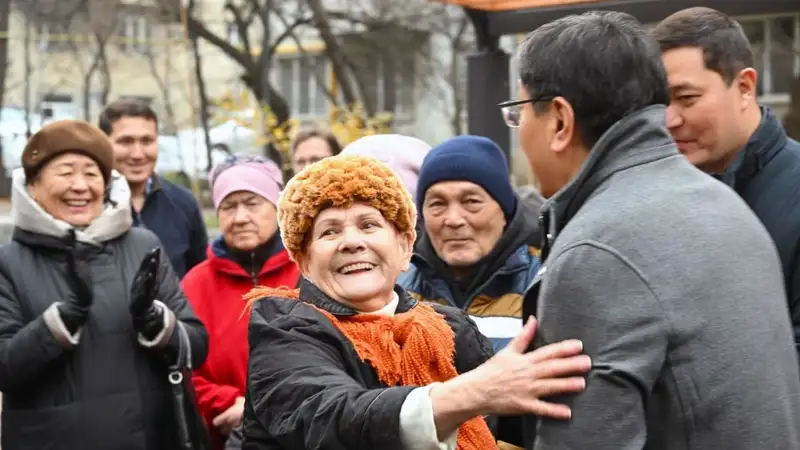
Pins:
x,y
340,181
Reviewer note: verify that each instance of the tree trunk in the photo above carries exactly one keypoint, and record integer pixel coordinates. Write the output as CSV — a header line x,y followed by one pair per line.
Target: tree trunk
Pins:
x,y
106,72
28,71
201,90
87,85
5,9
455,80
335,54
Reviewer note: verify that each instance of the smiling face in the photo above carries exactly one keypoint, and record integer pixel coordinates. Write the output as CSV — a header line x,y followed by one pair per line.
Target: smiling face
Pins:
x,y
463,222
70,187
135,141
354,255
246,220
705,115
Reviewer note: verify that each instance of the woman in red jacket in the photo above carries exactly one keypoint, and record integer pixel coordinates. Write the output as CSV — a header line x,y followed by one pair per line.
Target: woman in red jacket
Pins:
x,y
249,253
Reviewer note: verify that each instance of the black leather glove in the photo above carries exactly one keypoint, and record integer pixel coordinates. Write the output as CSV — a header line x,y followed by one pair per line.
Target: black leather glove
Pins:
x,y
148,319
75,310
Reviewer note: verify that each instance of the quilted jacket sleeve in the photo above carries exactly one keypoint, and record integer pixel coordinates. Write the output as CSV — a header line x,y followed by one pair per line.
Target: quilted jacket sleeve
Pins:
x,y
301,393
26,349
170,296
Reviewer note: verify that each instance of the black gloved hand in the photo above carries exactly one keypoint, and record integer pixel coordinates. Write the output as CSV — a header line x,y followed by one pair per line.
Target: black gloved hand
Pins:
x,y
75,310
147,318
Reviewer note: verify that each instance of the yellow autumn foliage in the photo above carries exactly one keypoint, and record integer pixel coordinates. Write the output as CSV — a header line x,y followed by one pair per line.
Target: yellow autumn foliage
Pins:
x,y
346,123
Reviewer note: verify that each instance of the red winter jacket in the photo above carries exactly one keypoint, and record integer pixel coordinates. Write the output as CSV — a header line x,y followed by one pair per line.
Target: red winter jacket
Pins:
x,y
215,288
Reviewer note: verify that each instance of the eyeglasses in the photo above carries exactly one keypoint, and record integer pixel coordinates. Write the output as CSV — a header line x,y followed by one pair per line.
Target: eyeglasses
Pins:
x,y
512,109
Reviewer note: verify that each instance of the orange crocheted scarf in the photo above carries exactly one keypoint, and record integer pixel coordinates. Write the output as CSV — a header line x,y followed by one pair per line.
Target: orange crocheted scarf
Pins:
x,y
415,348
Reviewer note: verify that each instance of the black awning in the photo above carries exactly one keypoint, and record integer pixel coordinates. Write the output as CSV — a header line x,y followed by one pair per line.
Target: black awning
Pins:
x,y
525,20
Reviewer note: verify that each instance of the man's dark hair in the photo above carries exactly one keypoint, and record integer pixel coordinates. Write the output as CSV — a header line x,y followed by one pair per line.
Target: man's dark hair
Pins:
x,y
726,49
604,63
314,131
125,108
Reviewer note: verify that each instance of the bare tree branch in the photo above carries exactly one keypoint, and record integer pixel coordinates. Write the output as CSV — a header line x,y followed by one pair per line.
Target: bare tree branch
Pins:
x,y
242,24
455,79
290,31
201,86
335,53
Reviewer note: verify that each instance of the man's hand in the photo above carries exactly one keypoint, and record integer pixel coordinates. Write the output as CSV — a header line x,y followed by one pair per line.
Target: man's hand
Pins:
x,y
512,382
231,418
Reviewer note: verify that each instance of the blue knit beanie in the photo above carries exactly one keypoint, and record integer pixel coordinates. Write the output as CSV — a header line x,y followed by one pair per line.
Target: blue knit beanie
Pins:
x,y
469,158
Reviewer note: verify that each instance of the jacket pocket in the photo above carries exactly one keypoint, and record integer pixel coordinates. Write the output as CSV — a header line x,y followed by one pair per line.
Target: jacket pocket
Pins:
x,y
42,429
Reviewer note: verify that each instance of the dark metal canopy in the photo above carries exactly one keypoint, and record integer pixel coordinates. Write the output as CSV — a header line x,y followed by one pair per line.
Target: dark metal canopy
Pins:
x,y
488,68
525,20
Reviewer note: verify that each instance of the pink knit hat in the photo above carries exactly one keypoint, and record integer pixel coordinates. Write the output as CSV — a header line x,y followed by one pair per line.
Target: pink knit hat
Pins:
x,y
249,173
403,154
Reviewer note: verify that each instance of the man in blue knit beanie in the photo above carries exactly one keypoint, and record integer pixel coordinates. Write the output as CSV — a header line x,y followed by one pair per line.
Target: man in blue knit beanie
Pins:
x,y
474,251
473,159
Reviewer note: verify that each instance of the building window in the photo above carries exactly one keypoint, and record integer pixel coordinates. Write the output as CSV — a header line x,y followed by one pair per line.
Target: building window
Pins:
x,y
389,86
302,80
54,37
404,92
56,106
134,33
776,51
232,33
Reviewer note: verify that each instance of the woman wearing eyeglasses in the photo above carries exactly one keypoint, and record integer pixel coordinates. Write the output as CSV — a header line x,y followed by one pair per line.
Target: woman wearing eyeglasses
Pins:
x,y
249,253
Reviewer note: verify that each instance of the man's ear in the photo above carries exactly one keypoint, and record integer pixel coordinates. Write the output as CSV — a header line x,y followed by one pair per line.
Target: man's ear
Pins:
x,y
746,83
565,124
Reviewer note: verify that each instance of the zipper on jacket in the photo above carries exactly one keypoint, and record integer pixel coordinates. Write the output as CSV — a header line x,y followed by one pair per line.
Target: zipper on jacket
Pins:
x,y
499,273
253,273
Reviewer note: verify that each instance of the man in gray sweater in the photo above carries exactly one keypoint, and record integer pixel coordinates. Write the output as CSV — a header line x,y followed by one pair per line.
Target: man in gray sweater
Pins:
x,y
671,282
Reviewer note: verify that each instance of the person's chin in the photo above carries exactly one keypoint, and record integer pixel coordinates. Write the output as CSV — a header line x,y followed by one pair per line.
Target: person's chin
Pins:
x,y
361,286
460,260
81,220
138,175
700,159
245,243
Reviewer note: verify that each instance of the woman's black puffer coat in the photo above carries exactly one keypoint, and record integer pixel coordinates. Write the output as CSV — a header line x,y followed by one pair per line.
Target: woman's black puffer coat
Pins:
x,y
108,391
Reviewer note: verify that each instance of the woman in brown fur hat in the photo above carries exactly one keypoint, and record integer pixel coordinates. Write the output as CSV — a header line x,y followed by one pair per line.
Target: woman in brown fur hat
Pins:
x,y
350,362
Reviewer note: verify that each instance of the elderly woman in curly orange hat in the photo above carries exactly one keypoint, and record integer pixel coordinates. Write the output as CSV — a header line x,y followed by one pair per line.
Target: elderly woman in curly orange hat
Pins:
x,y
349,361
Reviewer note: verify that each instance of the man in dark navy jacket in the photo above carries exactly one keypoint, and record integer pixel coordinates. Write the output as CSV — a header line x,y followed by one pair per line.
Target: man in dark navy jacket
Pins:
x,y
168,210
718,125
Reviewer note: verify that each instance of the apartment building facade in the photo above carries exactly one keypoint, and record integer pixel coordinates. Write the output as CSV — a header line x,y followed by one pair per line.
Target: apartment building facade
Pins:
x,y
149,58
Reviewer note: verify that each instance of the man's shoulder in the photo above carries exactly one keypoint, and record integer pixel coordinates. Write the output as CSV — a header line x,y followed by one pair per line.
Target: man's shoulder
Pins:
x,y
793,146
178,194
681,207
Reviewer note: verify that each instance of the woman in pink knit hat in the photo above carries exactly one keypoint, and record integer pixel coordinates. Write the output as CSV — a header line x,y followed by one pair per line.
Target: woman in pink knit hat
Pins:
x,y
403,154
249,253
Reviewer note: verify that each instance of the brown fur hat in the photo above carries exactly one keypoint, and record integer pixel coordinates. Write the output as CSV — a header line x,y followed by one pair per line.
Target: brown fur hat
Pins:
x,y
339,181
66,136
